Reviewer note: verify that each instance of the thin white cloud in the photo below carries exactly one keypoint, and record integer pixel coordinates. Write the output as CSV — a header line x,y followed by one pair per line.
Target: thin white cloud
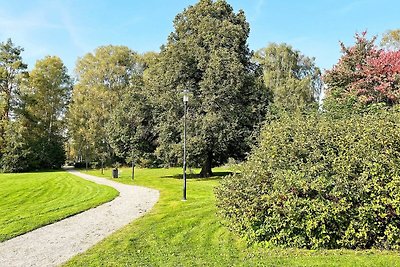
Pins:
x,y
38,30
25,22
22,29
74,32
257,10
260,4
350,7
24,25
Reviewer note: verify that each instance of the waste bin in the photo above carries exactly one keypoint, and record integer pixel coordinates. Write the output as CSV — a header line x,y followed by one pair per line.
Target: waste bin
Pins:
x,y
115,173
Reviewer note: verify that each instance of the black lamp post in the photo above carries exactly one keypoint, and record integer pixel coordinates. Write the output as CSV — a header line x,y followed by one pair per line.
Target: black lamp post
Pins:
x,y
86,157
185,102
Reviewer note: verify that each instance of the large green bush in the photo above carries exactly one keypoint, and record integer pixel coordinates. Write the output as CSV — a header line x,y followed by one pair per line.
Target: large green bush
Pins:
x,y
319,182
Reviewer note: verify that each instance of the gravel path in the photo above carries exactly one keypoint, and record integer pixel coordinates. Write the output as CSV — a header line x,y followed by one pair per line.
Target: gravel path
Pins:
x,y
54,244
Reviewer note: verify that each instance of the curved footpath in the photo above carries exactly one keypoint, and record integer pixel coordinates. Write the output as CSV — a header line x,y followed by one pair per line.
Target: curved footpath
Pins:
x,y
56,243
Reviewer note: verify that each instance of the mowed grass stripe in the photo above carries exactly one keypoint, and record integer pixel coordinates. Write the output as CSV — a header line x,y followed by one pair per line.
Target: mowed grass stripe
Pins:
x,y
178,233
31,200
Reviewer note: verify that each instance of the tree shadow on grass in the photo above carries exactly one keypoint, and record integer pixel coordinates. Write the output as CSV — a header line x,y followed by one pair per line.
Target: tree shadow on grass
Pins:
x,y
193,176
43,170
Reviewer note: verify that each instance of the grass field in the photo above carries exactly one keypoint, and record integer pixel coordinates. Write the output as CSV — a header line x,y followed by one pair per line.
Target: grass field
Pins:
x,y
31,200
178,233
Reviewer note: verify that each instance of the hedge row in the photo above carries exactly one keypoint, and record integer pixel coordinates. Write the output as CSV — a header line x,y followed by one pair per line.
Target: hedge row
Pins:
x,y
319,182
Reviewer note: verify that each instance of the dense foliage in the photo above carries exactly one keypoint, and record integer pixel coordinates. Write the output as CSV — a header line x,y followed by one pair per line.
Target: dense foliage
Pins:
x,y
12,71
32,107
381,80
316,182
107,78
130,130
365,75
45,100
208,55
330,180
293,78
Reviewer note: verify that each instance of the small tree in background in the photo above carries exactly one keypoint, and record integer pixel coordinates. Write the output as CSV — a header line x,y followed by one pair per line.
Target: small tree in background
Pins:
x,y
380,82
365,77
292,77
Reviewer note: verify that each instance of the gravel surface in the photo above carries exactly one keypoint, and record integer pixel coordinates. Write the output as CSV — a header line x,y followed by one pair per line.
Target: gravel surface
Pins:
x,y
54,244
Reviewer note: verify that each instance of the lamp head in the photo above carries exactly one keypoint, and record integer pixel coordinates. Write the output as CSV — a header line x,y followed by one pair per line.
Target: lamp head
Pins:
x,y
185,95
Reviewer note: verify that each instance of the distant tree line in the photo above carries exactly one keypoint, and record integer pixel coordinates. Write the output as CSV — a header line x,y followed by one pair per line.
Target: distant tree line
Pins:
x,y
127,107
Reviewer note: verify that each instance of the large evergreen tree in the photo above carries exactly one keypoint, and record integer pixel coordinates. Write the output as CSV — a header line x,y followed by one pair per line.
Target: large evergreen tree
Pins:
x,y
208,55
12,69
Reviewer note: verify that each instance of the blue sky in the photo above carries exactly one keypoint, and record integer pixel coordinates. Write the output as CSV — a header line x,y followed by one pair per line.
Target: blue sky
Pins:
x,y
72,28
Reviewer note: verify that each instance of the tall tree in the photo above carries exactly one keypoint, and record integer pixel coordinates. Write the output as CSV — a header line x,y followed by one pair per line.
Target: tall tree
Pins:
x,y
103,77
45,102
208,55
12,69
292,77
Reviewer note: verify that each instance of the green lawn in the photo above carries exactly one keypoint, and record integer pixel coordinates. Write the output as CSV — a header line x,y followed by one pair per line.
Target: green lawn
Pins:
x,y
177,233
31,200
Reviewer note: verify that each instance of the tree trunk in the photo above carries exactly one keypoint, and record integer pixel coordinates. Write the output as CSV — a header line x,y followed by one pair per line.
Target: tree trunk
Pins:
x,y
206,168
6,110
86,159
133,170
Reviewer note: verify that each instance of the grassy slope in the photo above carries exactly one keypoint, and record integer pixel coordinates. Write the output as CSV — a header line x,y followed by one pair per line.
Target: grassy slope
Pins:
x,y
177,233
31,200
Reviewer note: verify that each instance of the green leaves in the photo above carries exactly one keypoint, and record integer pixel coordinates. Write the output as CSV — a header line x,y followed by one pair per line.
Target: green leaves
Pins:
x,y
319,182
104,77
12,70
208,55
130,129
45,100
32,109
293,78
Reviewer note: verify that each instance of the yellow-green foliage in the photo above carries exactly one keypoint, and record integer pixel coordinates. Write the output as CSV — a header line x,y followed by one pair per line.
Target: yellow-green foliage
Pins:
x,y
320,182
